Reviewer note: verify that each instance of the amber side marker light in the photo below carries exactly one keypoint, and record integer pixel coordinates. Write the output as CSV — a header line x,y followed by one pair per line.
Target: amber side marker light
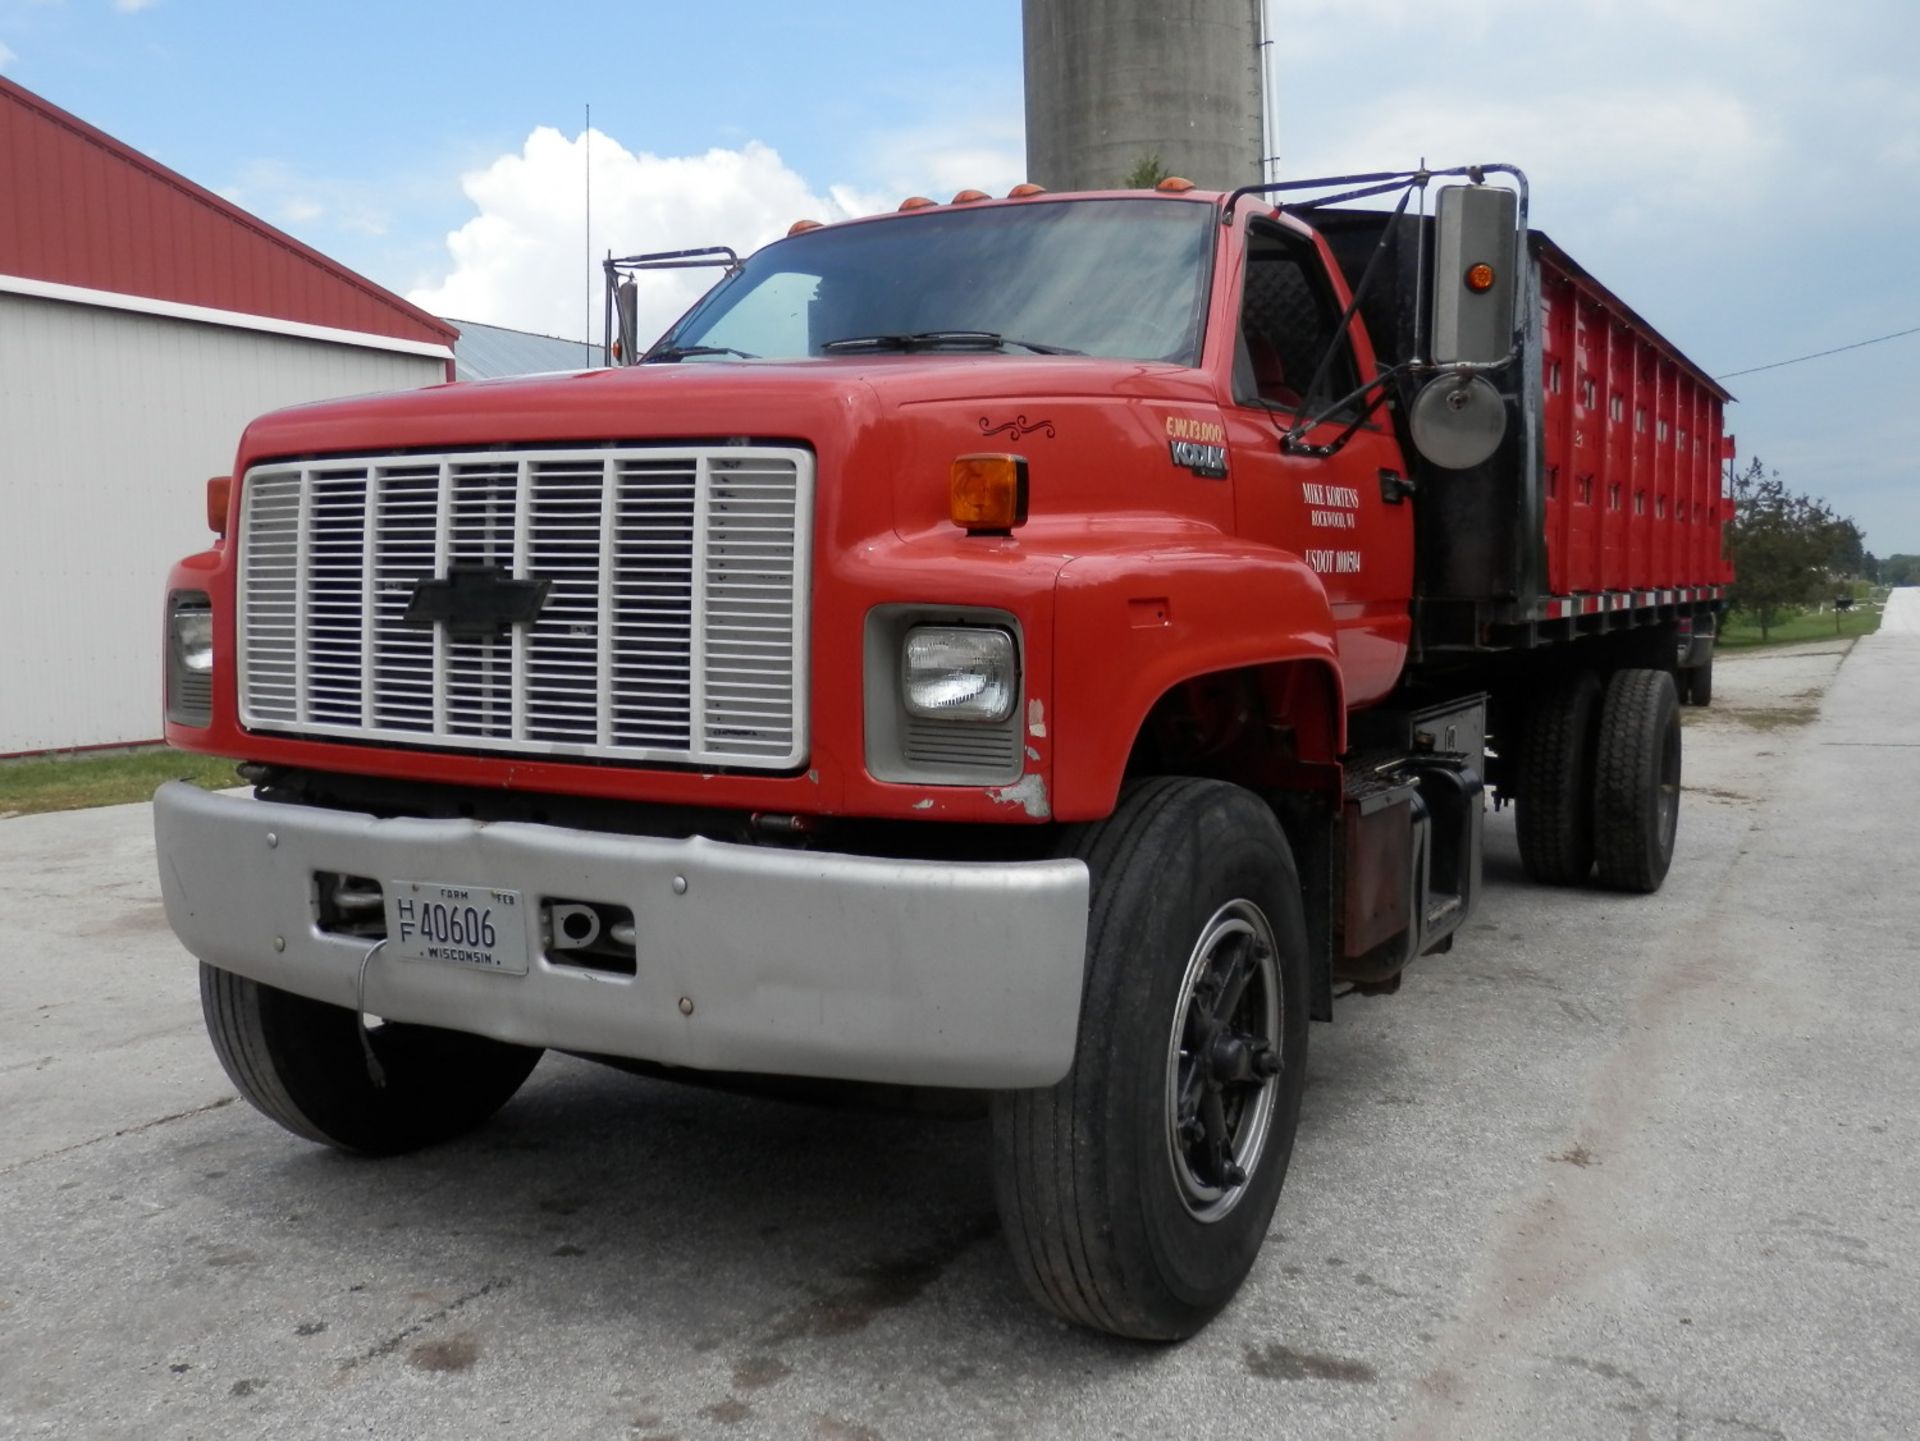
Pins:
x,y
988,492
1480,278
219,492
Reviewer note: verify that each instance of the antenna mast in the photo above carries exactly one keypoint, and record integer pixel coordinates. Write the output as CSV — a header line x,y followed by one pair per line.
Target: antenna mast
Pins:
x,y
1269,127
587,275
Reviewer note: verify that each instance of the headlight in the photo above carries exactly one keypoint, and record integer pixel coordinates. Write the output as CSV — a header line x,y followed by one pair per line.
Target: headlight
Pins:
x,y
193,635
959,673
189,697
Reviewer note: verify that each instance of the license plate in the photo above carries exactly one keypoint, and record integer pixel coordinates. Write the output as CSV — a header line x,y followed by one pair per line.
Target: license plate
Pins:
x,y
465,925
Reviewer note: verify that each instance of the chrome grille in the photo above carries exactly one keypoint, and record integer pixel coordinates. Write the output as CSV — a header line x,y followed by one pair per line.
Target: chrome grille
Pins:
x,y
674,625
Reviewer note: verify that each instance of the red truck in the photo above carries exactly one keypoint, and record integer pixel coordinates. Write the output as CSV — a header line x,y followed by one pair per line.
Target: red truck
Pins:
x,y
1038,647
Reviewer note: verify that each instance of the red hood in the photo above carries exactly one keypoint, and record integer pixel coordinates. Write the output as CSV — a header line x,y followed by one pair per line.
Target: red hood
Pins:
x,y
806,400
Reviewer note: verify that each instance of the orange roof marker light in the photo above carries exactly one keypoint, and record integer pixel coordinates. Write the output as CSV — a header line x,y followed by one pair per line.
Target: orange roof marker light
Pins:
x,y
917,202
988,492
967,197
1024,189
1480,278
801,227
1175,185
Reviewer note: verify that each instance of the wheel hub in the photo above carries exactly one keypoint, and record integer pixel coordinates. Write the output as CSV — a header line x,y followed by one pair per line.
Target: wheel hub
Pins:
x,y
1224,1051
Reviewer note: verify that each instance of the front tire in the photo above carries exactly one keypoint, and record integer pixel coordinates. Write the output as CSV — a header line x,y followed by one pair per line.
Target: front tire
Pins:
x,y
300,1062
1136,1193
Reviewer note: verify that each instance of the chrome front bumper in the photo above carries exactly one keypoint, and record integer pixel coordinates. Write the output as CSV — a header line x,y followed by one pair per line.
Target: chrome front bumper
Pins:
x,y
807,963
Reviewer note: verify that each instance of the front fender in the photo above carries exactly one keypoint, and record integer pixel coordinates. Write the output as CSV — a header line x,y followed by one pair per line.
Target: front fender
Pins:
x,y
1130,625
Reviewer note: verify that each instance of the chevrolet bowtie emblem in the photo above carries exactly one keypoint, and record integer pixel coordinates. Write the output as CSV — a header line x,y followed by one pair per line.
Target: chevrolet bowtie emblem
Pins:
x,y
476,600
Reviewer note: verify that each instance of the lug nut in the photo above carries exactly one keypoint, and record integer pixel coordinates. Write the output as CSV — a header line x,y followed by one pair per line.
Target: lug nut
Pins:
x,y
686,1005
1236,1174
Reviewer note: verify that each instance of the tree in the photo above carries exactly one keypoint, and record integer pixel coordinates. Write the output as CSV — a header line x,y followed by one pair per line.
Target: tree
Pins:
x,y
1849,550
1900,570
1147,172
1784,545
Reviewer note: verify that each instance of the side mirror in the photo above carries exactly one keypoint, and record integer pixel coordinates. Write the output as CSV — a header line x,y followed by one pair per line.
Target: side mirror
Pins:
x,y
1458,421
1476,272
626,304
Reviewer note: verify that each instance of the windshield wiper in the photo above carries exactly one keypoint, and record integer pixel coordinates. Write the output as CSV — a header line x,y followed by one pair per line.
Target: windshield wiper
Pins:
x,y
941,340
682,352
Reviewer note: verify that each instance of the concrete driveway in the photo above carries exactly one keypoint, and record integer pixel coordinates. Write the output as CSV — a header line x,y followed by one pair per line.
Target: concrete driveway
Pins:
x,y
1616,1167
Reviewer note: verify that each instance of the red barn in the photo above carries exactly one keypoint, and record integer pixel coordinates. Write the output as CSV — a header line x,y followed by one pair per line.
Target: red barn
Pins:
x,y
143,322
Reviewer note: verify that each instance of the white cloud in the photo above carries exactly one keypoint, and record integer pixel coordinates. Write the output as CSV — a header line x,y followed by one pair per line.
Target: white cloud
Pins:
x,y
1631,155
312,204
523,259
1898,111
852,200
1323,25
979,152
131,7
7,57
1283,16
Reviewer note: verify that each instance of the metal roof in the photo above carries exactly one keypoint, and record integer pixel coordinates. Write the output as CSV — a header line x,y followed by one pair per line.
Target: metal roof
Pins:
x,y
487,352
82,209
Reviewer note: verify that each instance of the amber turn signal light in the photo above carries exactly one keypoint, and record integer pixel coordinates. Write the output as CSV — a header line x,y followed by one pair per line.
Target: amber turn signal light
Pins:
x,y
1480,278
988,492
219,492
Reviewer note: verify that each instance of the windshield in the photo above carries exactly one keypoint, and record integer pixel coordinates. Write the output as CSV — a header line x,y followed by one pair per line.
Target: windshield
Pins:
x,y
1120,278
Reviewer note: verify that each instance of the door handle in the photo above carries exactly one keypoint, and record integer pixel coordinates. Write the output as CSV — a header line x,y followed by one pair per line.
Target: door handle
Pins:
x,y
1394,487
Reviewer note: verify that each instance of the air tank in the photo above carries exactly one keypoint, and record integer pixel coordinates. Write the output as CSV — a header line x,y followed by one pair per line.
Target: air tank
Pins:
x,y
1111,83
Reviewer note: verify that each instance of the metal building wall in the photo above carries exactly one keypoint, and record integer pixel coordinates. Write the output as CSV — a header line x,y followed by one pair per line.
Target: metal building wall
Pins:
x,y
110,423
1110,82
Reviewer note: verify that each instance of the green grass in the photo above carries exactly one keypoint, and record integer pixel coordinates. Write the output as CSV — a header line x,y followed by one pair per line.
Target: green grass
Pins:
x,y
73,782
1742,630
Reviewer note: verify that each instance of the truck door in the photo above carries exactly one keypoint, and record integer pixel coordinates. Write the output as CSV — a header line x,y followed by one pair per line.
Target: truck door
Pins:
x,y
1346,516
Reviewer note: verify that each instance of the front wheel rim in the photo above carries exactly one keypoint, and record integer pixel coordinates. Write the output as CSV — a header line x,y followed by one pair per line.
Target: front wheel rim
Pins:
x,y
1224,1057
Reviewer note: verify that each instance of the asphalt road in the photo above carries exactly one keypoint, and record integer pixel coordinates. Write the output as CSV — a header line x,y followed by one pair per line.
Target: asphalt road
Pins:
x,y
1616,1167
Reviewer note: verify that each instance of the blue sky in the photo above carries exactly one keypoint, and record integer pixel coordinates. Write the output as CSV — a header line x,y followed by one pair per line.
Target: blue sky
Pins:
x,y
1746,173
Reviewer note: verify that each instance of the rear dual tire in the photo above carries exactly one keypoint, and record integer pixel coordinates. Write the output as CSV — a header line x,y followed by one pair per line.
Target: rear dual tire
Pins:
x,y
1553,801
1598,780
1636,787
1696,685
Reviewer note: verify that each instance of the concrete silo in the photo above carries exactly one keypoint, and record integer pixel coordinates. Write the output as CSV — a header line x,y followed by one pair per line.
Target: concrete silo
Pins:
x,y
1110,82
